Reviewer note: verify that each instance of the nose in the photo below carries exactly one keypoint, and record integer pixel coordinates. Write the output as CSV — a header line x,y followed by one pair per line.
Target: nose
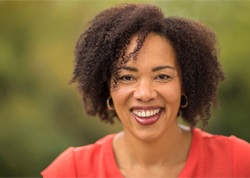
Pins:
x,y
145,91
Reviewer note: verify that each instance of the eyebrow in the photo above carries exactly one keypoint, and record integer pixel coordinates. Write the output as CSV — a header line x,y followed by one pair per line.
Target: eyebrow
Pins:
x,y
133,69
162,67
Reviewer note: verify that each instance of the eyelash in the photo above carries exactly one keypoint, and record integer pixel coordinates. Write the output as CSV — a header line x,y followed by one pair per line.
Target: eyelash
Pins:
x,y
160,77
123,78
165,77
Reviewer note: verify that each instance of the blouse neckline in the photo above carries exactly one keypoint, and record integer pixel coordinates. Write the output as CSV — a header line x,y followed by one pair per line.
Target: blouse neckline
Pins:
x,y
191,159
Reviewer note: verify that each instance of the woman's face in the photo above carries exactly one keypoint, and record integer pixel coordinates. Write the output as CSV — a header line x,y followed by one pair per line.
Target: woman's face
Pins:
x,y
148,93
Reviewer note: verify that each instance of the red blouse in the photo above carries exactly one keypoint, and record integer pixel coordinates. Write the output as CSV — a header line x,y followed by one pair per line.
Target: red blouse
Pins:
x,y
209,156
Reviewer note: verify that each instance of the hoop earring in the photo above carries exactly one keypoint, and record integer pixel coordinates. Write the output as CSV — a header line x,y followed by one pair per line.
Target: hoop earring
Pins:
x,y
184,103
108,104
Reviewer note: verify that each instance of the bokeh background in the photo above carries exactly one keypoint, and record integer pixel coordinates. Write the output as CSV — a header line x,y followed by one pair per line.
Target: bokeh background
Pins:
x,y
41,114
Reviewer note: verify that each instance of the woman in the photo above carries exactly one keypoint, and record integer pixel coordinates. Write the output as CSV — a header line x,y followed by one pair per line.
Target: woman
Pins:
x,y
145,69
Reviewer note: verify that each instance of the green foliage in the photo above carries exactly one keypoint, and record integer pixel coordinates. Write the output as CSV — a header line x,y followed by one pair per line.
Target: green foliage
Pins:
x,y
41,115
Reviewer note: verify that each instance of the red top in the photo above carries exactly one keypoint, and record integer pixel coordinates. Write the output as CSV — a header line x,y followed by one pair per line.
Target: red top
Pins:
x,y
209,156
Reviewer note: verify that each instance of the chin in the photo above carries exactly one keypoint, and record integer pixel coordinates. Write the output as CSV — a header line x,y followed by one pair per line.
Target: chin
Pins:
x,y
148,135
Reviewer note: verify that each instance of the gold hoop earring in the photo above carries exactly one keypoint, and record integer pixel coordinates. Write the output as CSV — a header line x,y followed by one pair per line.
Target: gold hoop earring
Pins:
x,y
184,103
108,104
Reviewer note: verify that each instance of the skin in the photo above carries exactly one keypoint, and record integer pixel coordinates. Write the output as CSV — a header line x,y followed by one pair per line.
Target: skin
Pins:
x,y
152,82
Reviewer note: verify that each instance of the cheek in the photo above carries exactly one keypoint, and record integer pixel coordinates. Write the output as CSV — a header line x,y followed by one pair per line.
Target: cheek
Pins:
x,y
120,99
173,93
120,95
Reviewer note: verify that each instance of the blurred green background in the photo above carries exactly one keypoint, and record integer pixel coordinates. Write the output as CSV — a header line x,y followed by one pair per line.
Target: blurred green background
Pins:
x,y
41,114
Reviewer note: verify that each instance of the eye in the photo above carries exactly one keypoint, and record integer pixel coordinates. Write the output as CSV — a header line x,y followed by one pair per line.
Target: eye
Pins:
x,y
126,78
162,77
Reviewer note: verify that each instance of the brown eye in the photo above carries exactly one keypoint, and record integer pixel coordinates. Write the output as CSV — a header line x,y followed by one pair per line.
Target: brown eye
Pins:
x,y
162,77
126,78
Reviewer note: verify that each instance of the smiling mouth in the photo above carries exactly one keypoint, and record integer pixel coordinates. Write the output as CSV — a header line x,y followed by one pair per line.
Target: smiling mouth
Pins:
x,y
146,113
147,116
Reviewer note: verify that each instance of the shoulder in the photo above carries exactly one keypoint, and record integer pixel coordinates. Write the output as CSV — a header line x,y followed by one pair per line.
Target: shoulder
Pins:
x,y
63,165
236,144
231,151
73,159
241,156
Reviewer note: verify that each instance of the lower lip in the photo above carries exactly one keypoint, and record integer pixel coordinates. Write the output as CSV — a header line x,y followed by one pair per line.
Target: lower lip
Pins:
x,y
147,120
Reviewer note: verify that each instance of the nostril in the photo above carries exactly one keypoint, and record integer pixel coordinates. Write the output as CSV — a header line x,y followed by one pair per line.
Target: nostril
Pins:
x,y
145,93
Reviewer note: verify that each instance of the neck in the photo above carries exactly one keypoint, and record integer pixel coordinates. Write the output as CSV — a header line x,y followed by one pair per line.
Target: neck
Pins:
x,y
169,149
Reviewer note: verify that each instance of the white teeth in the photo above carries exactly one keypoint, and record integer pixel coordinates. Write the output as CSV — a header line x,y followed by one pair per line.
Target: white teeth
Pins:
x,y
147,113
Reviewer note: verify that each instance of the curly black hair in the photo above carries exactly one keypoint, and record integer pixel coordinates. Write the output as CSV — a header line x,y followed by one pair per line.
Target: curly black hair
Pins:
x,y
106,39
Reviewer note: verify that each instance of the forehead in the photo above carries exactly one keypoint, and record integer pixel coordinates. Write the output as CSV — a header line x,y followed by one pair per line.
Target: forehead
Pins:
x,y
155,48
